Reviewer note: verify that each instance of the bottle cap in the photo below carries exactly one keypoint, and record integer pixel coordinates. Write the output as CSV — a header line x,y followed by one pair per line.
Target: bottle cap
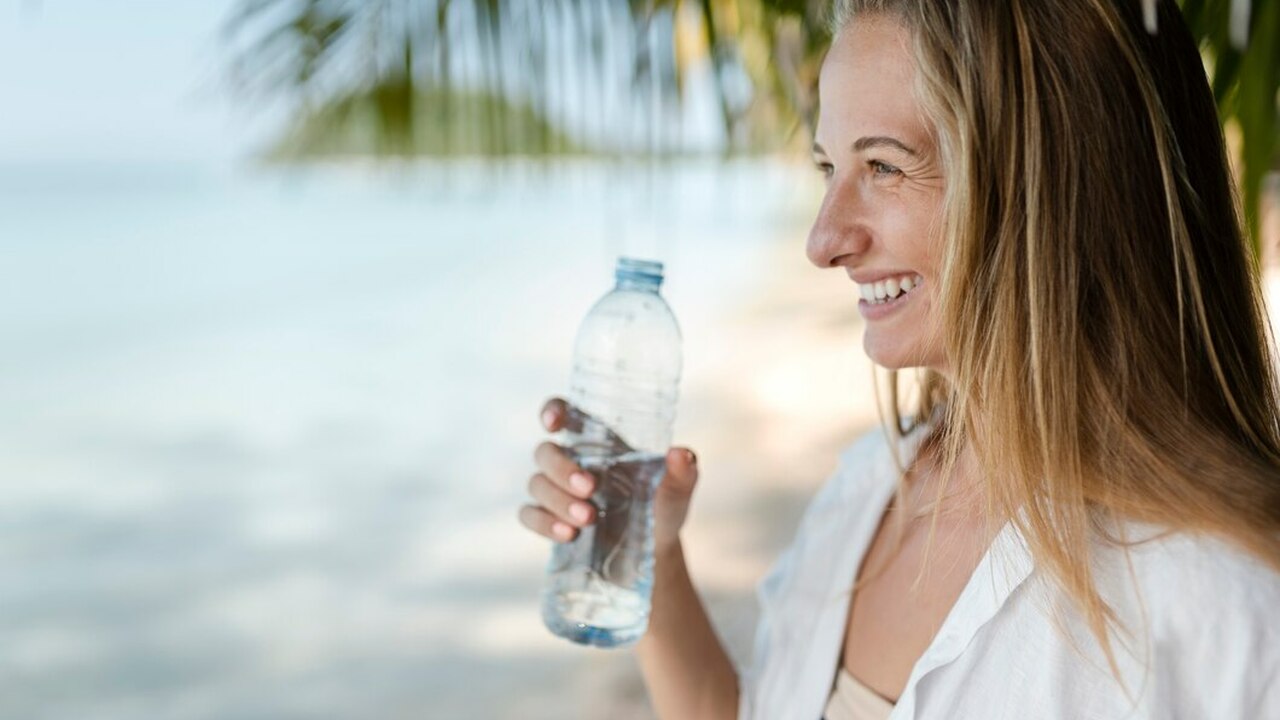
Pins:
x,y
647,271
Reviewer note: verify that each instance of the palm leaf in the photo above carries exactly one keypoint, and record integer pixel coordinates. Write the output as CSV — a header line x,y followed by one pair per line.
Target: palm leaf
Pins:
x,y
1245,83
547,77
558,60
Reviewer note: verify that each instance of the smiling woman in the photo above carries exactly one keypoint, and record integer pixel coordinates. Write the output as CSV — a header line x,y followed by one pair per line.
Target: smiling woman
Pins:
x,y
1033,198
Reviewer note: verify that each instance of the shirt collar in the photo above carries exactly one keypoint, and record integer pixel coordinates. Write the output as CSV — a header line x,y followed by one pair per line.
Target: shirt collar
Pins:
x,y
1005,566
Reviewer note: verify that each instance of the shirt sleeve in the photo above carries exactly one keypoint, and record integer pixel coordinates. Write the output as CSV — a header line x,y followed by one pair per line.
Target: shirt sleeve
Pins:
x,y
1238,644
767,592
1216,642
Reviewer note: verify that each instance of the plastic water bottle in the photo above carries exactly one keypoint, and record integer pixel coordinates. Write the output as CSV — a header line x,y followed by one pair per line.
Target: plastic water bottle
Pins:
x,y
624,386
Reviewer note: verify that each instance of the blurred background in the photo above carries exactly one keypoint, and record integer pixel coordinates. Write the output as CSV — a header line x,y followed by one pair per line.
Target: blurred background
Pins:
x,y
284,284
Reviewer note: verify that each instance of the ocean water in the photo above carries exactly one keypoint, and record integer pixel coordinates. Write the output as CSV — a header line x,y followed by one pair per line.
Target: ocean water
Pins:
x,y
263,432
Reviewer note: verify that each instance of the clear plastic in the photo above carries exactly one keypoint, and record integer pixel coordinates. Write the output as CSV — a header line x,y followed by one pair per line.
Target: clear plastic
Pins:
x,y
623,389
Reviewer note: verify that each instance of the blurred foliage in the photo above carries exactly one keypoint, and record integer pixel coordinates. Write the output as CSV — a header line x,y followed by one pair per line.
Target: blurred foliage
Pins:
x,y
557,77
385,120
394,70
1244,63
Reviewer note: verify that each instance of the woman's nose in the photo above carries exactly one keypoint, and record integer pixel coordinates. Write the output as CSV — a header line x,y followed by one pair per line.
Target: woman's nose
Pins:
x,y
838,231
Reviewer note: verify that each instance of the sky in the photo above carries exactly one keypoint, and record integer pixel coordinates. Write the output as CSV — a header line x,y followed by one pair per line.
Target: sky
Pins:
x,y
126,81
143,82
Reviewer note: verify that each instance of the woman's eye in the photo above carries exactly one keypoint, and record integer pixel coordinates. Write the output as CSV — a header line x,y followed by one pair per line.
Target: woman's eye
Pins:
x,y
883,169
825,168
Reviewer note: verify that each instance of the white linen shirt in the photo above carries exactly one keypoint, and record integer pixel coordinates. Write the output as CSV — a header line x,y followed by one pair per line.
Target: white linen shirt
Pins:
x,y
1203,642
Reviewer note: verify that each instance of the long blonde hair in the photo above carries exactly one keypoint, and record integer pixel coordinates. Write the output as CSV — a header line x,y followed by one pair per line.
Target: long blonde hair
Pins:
x,y
1088,215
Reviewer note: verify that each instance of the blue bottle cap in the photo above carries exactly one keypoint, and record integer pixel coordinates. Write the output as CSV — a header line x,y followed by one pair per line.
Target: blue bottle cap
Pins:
x,y
647,271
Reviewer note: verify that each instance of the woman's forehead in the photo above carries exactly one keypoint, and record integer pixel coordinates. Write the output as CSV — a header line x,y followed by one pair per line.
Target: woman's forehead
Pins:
x,y
874,42
866,85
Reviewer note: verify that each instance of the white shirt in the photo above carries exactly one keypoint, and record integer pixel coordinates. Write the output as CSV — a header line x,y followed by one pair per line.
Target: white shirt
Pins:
x,y
1209,647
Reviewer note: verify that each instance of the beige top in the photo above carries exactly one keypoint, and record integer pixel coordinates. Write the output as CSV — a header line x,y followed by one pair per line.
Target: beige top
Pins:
x,y
851,700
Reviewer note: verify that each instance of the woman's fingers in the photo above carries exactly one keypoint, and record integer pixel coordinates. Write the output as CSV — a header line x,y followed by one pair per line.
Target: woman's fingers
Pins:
x,y
561,489
558,414
544,523
556,464
564,506
552,458
682,470
553,414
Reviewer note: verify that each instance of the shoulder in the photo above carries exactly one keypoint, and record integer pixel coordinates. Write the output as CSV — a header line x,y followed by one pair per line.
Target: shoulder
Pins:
x,y
859,469
1210,608
1196,634
863,471
866,473
874,458
861,460
1187,578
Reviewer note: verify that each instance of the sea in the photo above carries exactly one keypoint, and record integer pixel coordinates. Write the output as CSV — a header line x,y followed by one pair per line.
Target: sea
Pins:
x,y
264,430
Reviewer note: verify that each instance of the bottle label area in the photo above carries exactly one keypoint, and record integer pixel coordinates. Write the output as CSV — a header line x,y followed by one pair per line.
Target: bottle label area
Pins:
x,y
600,582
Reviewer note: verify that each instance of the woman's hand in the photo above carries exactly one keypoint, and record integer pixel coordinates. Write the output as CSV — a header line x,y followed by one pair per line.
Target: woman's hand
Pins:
x,y
562,490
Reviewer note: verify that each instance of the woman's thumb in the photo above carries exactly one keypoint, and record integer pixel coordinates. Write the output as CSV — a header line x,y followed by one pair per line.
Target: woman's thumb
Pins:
x,y
682,470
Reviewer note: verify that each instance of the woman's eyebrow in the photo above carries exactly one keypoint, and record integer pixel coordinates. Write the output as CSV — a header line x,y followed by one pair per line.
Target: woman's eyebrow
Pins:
x,y
866,143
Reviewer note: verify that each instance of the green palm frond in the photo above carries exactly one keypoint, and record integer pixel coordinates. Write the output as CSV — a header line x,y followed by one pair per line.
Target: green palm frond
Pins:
x,y
613,75
551,77
1245,75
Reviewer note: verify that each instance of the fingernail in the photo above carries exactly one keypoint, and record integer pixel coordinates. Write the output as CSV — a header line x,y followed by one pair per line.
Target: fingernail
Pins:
x,y
580,482
690,457
548,417
561,530
580,511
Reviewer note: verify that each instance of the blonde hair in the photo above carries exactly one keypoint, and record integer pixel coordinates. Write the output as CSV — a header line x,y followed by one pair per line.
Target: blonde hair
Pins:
x,y
1088,213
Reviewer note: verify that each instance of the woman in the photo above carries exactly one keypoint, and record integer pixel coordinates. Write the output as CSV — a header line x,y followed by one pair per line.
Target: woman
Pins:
x,y
1081,516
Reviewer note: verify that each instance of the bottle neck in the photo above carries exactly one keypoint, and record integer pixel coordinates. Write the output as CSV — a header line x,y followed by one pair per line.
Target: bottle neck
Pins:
x,y
638,284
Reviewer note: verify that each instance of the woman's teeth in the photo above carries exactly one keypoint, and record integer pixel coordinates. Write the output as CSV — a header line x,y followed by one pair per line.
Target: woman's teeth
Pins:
x,y
885,290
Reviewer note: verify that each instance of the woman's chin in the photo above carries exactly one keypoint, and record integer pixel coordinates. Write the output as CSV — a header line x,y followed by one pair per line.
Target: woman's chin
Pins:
x,y
893,356
885,354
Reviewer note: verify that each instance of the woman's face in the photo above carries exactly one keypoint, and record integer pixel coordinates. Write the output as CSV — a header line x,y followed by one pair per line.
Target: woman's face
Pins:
x,y
882,210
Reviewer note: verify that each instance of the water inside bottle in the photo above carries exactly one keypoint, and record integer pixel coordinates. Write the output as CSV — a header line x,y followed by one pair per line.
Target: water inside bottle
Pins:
x,y
600,583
